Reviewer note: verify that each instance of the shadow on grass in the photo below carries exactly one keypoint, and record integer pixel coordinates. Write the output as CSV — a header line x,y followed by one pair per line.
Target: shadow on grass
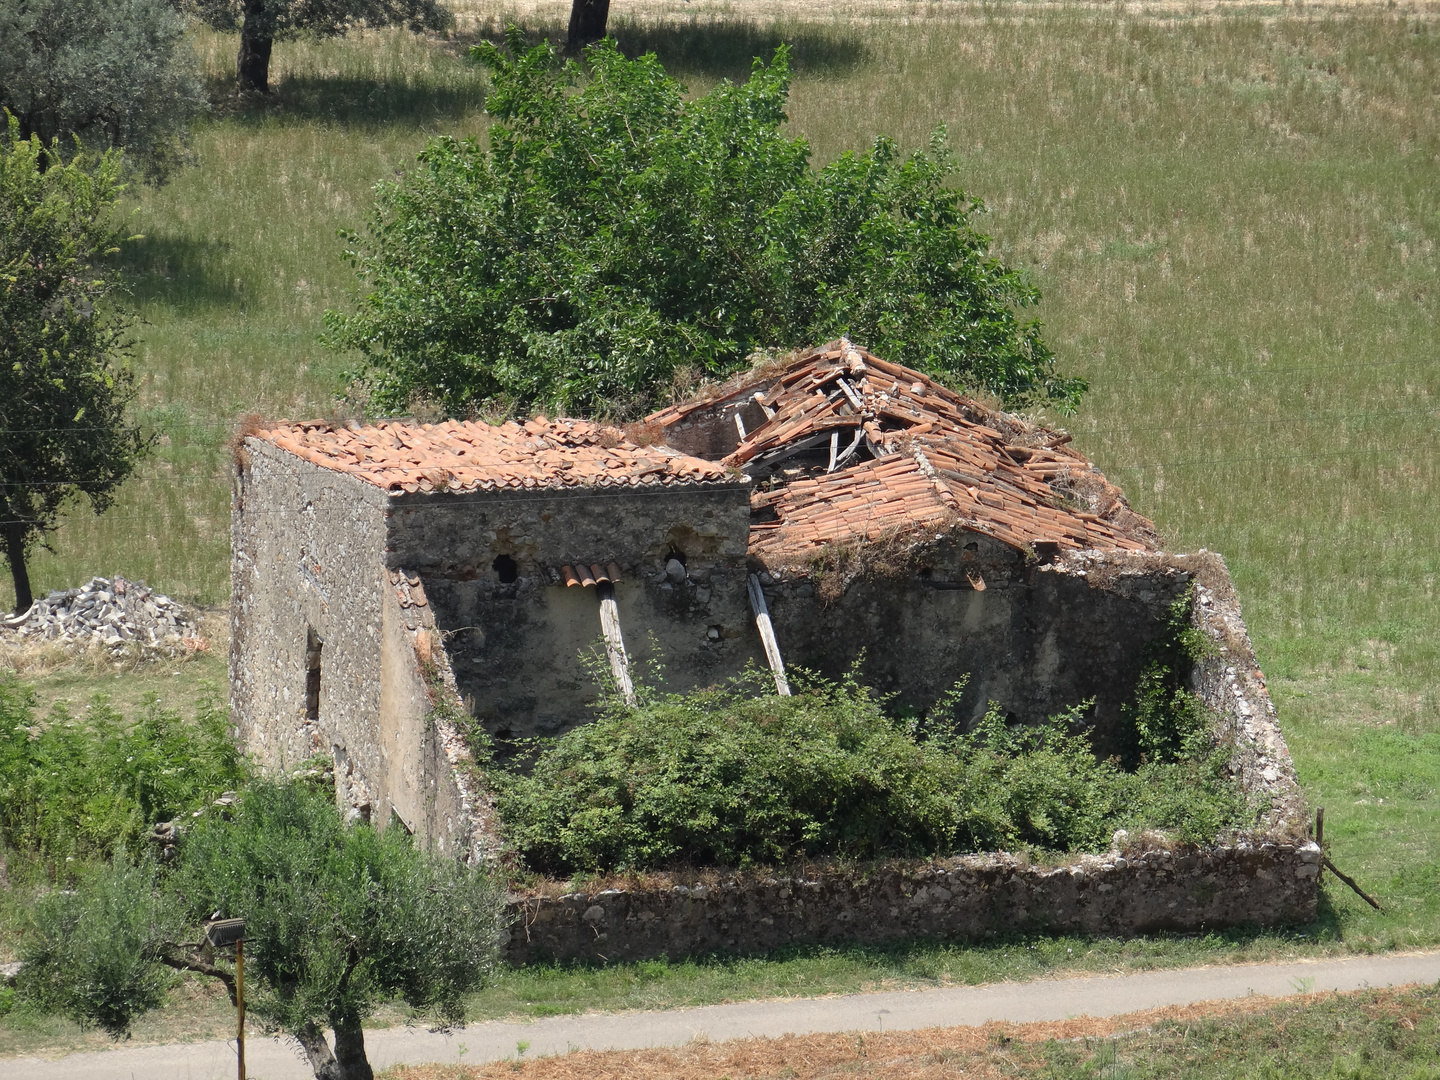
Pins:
x,y
713,49
350,101
727,50
1008,956
709,50
177,271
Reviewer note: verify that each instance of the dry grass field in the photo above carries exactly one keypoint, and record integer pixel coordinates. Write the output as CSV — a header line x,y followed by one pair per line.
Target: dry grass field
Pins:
x,y
1370,1035
1232,210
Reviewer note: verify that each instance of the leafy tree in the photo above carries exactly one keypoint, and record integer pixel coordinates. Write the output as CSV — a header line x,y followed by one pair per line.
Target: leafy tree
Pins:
x,y
263,22
112,73
64,384
613,232
338,920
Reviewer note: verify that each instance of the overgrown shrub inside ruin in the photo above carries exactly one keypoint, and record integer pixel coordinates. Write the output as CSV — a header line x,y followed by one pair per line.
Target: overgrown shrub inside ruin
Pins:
x,y
732,776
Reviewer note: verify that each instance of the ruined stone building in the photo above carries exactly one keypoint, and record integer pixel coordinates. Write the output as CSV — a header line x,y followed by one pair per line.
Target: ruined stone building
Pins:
x,y
835,508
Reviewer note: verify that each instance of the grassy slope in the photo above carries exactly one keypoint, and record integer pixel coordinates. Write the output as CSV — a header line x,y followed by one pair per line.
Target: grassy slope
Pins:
x,y
1234,224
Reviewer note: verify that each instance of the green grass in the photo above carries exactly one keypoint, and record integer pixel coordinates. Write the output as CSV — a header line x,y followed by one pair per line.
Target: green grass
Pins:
x,y
1233,219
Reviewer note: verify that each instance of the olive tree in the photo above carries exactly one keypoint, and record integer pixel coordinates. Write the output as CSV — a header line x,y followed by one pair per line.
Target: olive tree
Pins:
x,y
612,231
339,919
263,22
110,73
65,382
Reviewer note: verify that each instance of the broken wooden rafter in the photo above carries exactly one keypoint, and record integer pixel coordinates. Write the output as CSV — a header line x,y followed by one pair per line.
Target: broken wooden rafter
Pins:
x,y
767,636
614,643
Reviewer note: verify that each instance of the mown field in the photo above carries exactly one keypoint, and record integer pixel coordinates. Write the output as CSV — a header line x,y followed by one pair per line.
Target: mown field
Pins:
x,y
1232,214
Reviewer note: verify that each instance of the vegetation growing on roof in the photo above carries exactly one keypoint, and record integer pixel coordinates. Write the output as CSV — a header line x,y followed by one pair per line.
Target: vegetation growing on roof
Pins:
x,y
613,231
732,776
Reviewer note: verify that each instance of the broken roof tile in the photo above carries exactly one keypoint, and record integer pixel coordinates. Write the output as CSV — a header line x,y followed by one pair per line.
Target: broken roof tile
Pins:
x,y
928,453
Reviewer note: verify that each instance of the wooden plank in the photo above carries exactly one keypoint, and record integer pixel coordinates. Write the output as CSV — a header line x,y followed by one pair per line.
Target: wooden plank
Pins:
x,y
767,636
614,643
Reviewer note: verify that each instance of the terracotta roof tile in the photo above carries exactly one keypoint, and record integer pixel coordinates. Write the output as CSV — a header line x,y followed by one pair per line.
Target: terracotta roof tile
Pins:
x,y
470,456
929,455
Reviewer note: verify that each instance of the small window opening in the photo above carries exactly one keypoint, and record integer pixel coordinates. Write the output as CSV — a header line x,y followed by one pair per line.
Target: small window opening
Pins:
x,y
676,554
505,569
313,645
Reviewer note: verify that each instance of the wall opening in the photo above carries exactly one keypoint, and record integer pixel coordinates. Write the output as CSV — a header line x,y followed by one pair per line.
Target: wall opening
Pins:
x,y
505,569
313,647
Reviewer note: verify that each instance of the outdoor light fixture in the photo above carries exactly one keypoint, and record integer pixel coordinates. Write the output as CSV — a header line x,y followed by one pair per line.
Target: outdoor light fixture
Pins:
x,y
222,933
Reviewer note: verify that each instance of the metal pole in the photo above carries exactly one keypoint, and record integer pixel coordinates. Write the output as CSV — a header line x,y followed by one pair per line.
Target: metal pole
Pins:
x,y
240,1002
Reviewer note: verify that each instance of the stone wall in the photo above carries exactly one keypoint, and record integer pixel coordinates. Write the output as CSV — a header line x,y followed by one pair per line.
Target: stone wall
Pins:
x,y
516,646
1036,637
973,897
308,569
306,547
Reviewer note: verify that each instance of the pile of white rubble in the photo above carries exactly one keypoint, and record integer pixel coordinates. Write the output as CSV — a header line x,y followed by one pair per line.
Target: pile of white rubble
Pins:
x,y
119,615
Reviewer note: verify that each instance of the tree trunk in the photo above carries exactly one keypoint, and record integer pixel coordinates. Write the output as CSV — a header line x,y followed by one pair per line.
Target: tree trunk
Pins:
x,y
587,23
312,1041
346,1062
253,63
15,551
350,1052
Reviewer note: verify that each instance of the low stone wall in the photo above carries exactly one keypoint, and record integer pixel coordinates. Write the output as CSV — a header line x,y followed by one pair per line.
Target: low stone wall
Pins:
x,y
978,896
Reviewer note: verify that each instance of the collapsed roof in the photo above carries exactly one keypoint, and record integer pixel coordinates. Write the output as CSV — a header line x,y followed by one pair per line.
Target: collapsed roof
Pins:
x,y
846,447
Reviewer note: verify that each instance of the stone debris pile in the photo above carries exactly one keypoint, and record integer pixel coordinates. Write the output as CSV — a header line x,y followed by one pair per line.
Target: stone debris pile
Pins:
x,y
113,613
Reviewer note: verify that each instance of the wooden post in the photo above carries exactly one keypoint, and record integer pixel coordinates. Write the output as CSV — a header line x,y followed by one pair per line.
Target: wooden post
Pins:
x,y
614,643
240,1004
1320,837
767,635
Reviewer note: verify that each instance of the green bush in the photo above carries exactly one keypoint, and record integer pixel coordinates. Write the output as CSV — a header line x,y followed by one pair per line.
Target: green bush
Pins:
x,y
1167,722
89,786
732,776
614,232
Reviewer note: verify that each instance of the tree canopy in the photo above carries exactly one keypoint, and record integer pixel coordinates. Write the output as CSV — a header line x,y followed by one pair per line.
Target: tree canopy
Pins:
x,y
338,920
65,385
112,73
614,232
263,22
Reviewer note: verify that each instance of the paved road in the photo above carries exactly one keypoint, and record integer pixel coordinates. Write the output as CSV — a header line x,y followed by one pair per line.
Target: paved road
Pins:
x,y
1048,999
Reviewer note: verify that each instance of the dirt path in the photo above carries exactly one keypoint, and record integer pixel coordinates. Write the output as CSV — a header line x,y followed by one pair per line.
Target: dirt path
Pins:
x,y
1044,1000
